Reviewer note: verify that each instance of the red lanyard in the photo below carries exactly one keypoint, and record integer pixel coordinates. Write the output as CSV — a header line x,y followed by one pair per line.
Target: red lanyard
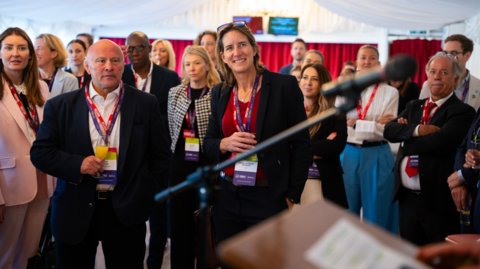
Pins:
x,y
81,81
361,115
99,116
144,84
33,120
427,118
305,105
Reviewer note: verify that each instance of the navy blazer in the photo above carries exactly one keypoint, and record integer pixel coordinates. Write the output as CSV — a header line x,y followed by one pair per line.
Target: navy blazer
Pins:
x,y
436,150
63,142
470,175
280,107
286,69
163,79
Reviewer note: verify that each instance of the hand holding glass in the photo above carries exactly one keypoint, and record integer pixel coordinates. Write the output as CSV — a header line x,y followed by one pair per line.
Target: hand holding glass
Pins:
x,y
475,150
101,151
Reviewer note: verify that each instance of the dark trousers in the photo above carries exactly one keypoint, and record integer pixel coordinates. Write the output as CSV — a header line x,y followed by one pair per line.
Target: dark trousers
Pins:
x,y
239,208
420,225
158,236
182,229
123,246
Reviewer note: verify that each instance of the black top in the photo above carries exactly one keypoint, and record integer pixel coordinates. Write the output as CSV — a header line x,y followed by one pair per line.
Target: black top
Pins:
x,y
48,84
180,168
86,77
25,104
329,166
411,93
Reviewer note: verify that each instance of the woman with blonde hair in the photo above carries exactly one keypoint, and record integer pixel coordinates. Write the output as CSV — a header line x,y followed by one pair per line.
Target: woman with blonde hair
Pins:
x,y
188,112
52,56
325,177
24,190
163,54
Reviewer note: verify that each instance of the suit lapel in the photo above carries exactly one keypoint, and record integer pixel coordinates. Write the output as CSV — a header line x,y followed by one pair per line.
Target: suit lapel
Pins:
x,y
440,111
222,104
262,103
58,83
126,123
157,78
81,116
14,110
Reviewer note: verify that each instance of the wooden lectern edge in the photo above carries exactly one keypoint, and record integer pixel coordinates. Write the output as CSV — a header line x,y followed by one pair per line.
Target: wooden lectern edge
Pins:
x,y
279,243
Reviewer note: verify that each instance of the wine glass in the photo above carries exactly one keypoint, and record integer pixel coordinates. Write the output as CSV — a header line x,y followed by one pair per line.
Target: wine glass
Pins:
x,y
101,151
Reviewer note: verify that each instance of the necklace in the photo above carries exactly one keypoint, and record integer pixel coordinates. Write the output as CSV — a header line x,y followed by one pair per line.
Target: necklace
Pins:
x,y
243,99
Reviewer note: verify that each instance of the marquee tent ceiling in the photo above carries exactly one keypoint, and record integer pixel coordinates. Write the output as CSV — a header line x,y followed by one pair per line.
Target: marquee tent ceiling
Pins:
x,y
405,14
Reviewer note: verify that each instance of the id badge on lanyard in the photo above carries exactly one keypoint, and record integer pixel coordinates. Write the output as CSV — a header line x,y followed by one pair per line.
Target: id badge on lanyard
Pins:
x,y
192,144
245,170
313,171
109,175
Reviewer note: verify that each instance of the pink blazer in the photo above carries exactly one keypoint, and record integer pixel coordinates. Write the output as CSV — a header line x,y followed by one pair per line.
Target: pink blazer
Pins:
x,y
19,179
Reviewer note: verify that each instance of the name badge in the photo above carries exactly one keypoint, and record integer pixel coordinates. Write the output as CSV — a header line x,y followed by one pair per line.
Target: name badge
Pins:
x,y
413,161
192,149
245,170
313,171
109,175
187,134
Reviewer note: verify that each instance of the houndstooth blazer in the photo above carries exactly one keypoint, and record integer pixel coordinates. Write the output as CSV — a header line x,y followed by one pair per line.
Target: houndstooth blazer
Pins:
x,y
178,104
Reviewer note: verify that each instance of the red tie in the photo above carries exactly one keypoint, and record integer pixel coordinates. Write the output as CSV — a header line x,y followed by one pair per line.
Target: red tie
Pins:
x,y
411,171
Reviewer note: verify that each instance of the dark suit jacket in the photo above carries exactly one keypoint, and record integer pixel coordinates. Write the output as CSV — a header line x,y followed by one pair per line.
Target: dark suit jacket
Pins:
x,y
163,80
436,151
411,93
286,69
63,142
329,165
280,107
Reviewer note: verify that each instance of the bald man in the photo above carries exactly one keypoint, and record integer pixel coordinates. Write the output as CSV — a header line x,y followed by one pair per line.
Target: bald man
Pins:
x,y
110,198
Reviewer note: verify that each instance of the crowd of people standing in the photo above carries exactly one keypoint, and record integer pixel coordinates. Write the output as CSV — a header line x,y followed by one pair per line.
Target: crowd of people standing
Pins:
x,y
92,139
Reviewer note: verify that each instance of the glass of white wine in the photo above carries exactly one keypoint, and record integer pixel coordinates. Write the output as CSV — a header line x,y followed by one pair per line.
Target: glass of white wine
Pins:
x,y
101,151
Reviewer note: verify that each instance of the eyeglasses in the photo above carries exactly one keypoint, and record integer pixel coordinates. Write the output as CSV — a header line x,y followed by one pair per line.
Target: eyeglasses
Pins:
x,y
235,23
454,52
138,48
448,55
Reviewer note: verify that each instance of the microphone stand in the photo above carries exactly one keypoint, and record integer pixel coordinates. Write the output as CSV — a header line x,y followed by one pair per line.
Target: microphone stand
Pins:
x,y
204,177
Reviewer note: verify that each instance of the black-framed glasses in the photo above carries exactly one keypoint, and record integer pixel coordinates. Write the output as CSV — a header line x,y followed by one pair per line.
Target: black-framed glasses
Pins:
x,y
448,55
138,48
455,53
235,23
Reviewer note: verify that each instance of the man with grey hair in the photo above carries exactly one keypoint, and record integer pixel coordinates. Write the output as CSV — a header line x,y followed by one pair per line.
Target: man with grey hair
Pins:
x,y
430,131
105,196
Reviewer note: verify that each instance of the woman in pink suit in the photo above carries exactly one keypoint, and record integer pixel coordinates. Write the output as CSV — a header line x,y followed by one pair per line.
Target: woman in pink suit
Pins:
x,y
24,191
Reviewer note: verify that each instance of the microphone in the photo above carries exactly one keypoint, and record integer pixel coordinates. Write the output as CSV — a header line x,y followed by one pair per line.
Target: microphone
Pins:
x,y
400,68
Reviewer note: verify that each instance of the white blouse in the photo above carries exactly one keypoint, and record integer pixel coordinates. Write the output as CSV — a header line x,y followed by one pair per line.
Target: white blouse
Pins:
x,y
385,102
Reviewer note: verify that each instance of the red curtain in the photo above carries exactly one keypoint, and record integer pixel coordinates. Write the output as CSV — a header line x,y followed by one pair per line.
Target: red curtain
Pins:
x,y
421,50
178,46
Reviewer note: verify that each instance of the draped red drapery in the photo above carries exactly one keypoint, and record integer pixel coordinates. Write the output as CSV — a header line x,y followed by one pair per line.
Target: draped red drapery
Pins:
x,y
274,55
421,50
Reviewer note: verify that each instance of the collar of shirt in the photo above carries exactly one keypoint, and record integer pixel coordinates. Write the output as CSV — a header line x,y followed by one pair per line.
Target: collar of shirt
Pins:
x,y
149,72
97,97
441,101
21,88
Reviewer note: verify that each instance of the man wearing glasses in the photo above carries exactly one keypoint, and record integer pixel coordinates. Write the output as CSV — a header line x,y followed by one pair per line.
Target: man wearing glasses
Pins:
x,y
157,80
468,89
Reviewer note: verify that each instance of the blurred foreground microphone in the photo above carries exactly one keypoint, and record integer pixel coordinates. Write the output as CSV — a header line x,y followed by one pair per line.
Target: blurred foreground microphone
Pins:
x,y
400,68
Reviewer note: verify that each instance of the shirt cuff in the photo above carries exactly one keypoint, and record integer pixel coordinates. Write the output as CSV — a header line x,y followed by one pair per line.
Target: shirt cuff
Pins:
x,y
415,132
460,176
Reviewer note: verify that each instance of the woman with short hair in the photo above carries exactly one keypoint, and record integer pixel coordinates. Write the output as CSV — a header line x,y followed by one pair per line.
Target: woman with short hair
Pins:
x,y
163,54
367,159
52,56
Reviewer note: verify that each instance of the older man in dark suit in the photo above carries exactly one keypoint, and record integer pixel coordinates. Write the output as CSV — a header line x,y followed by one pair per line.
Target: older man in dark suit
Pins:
x,y
430,131
113,207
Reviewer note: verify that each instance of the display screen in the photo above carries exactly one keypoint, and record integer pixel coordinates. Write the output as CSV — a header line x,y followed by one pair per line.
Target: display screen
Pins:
x,y
283,26
254,23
